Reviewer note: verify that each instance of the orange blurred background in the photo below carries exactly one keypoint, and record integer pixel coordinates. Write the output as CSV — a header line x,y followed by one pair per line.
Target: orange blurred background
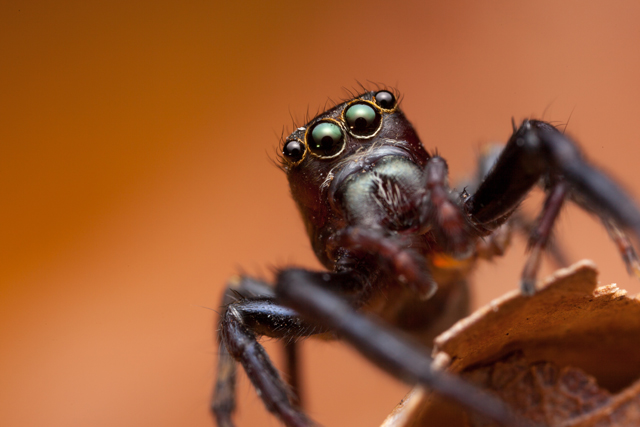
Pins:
x,y
135,175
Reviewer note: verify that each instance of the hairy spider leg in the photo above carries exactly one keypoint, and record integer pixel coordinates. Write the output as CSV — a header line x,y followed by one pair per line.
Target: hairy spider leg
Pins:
x,y
251,311
245,319
535,151
240,326
496,243
540,236
243,288
382,345
444,216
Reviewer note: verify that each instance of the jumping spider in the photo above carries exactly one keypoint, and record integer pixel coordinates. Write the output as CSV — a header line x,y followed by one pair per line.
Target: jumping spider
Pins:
x,y
398,245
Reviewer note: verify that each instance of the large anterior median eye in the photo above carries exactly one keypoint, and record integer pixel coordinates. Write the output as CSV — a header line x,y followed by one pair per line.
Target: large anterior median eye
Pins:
x,y
325,139
363,119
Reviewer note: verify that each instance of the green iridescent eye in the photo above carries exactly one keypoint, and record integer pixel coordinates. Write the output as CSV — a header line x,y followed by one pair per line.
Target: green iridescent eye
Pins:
x,y
363,120
325,139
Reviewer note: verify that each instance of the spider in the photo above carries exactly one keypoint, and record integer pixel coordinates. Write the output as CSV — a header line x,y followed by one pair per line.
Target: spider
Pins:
x,y
398,244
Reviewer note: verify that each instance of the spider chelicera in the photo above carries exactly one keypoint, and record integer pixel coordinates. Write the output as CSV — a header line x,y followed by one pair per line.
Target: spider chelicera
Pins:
x,y
398,245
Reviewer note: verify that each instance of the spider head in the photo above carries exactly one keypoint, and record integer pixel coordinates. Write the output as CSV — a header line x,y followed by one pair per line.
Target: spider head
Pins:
x,y
323,158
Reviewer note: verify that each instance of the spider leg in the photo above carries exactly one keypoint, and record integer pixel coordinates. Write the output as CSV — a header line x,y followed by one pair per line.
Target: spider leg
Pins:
x,y
405,265
239,290
252,312
443,214
553,249
292,365
497,242
540,236
223,402
538,151
387,348
240,326
625,247
248,287
314,296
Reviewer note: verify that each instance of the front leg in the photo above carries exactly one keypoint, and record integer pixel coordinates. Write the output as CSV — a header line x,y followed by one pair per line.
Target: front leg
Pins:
x,y
385,347
537,151
315,297
244,287
251,311
223,402
241,324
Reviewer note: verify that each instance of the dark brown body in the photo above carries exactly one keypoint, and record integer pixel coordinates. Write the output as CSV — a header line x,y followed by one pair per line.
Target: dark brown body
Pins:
x,y
314,187
398,245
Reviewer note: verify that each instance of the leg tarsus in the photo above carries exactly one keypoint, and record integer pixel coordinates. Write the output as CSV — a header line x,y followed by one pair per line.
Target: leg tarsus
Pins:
x,y
625,247
554,251
223,402
540,236
291,349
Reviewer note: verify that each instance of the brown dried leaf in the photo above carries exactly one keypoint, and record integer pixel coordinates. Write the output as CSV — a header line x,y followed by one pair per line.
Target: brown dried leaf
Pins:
x,y
540,391
568,356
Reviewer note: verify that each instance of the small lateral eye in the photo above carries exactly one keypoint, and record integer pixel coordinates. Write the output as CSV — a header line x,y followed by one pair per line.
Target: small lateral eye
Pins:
x,y
294,150
325,139
385,99
363,120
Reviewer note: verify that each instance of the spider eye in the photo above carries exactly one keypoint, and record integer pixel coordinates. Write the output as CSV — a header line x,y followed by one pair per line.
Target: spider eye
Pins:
x,y
325,139
294,150
385,99
363,120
